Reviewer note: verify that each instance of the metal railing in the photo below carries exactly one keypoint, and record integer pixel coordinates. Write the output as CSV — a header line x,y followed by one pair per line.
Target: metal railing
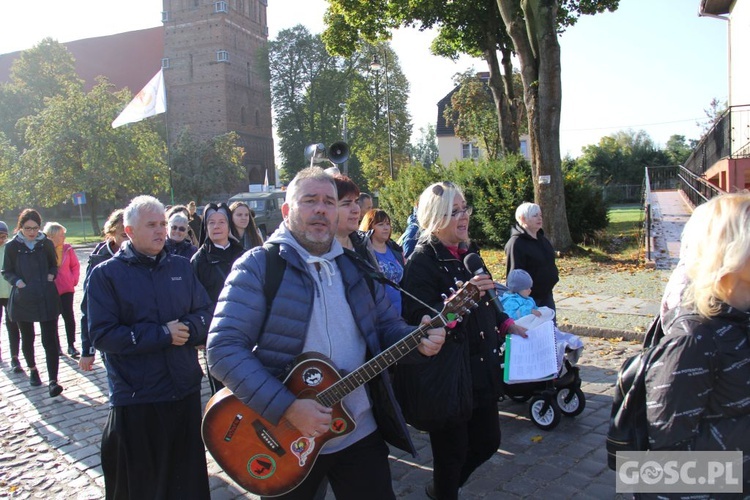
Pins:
x,y
697,190
728,138
646,227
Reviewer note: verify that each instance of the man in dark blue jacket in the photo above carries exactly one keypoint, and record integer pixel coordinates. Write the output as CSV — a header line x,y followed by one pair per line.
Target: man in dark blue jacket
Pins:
x,y
147,313
323,304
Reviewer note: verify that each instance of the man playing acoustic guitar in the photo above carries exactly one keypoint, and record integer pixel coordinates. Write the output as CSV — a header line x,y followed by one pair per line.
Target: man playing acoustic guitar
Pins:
x,y
325,304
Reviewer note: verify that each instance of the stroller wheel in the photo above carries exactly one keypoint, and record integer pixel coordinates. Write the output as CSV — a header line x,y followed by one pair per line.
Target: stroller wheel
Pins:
x,y
520,399
544,413
571,403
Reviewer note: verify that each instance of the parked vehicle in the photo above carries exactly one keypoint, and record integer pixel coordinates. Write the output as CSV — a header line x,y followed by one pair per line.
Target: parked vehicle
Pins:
x,y
267,208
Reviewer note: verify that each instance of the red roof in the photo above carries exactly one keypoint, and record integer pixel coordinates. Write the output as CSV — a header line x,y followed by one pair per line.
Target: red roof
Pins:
x,y
128,59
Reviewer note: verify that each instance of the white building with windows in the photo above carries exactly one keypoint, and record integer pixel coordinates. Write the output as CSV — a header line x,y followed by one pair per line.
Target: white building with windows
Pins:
x,y
451,147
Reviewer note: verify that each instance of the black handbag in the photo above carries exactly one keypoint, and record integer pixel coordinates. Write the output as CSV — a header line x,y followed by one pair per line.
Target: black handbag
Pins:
x,y
438,391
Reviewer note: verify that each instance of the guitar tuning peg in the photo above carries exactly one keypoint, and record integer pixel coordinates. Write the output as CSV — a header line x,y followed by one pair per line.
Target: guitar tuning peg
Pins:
x,y
444,296
452,291
459,283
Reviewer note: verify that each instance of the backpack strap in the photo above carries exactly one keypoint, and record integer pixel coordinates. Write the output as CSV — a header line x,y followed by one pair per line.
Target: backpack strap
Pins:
x,y
275,267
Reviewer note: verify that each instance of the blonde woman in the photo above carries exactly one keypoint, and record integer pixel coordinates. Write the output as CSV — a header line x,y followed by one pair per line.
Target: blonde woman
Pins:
x,y
68,274
698,387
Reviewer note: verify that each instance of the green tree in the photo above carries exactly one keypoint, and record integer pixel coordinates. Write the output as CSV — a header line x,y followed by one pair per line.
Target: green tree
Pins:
x,y
72,147
46,70
309,85
373,99
425,151
678,150
470,26
532,26
621,158
8,160
203,167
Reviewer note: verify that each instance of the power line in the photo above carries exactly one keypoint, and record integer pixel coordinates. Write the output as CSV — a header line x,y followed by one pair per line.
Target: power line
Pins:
x,y
634,126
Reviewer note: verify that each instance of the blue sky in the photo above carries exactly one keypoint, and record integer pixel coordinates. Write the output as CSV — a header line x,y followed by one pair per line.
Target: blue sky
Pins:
x,y
651,65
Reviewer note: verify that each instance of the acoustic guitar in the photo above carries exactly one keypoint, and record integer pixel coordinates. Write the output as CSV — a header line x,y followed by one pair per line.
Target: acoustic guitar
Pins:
x,y
271,460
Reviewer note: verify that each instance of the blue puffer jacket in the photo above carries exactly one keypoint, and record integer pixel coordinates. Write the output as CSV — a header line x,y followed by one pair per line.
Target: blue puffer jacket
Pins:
x,y
252,363
130,299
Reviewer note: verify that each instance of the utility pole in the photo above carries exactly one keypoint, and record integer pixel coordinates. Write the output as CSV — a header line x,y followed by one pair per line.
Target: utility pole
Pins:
x,y
345,166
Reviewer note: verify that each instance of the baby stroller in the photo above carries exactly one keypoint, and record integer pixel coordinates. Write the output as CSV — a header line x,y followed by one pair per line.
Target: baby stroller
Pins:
x,y
550,399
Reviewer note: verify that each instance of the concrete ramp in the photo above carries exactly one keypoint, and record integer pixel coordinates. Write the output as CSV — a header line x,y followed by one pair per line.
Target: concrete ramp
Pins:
x,y
669,213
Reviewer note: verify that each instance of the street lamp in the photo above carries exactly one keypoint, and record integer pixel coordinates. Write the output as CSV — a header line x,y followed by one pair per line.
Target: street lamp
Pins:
x,y
342,105
376,66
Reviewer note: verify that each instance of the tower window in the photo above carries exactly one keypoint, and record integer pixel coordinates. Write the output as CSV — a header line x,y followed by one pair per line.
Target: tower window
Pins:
x,y
221,7
222,56
165,16
165,63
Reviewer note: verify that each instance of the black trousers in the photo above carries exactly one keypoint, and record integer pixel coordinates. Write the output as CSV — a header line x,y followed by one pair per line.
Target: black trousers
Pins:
x,y
155,451
14,334
359,472
49,341
458,450
69,317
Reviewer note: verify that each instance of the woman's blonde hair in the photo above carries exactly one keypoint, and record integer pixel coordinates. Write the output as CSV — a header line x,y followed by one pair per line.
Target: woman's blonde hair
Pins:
x,y
715,243
435,207
52,228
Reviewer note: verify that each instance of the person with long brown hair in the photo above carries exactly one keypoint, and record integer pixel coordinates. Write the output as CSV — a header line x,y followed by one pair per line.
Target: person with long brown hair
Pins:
x,y
245,229
30,266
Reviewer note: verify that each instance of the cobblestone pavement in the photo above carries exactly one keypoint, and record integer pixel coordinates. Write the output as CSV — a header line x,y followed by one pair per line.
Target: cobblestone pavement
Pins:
x,y
50,447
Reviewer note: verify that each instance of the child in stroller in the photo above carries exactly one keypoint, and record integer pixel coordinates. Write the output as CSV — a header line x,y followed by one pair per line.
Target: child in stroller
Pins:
x,y
562,395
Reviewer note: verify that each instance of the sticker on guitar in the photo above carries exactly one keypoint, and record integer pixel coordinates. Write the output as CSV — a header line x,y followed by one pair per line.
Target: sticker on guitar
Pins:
x,y
312,377
301,448
261,466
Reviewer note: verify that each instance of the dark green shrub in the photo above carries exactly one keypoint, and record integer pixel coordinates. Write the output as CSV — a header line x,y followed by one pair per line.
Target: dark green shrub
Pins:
x,y
495,188
585,206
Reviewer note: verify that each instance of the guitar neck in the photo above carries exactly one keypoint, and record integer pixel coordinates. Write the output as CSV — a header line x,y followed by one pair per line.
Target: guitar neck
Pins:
x,y
377,365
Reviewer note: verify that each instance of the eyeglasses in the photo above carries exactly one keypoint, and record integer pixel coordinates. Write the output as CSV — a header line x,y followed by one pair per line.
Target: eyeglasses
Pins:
x,y
457,213
30,228
181,229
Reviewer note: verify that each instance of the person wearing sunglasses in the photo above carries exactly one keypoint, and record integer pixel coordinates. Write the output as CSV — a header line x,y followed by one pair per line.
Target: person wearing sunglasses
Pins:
x,y
30,266
178,242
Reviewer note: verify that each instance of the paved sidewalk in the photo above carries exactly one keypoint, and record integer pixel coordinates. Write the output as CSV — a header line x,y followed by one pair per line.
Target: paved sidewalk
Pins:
x,y
50,447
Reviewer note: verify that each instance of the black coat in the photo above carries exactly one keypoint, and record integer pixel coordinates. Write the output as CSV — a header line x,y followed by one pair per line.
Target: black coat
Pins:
x,y
212,265
697,386
536,257
101,252
38,300
430,271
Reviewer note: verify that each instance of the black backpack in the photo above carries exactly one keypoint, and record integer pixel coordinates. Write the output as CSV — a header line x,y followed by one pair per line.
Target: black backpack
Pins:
x,y
628,427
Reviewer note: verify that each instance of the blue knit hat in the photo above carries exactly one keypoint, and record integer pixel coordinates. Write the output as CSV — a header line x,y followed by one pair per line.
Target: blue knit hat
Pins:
x,y
519,280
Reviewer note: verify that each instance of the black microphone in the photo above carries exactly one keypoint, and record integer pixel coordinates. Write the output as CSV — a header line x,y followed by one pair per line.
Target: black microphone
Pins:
x,y
475,265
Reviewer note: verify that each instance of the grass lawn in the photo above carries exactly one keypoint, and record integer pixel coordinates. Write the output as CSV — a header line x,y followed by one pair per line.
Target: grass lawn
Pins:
x,y
78,233
613,250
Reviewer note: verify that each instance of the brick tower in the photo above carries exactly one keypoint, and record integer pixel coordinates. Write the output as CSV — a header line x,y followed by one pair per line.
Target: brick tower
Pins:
x,y
216,72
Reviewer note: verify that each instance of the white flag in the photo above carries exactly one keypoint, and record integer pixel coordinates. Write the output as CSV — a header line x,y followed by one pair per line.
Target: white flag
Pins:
x,y
150,101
